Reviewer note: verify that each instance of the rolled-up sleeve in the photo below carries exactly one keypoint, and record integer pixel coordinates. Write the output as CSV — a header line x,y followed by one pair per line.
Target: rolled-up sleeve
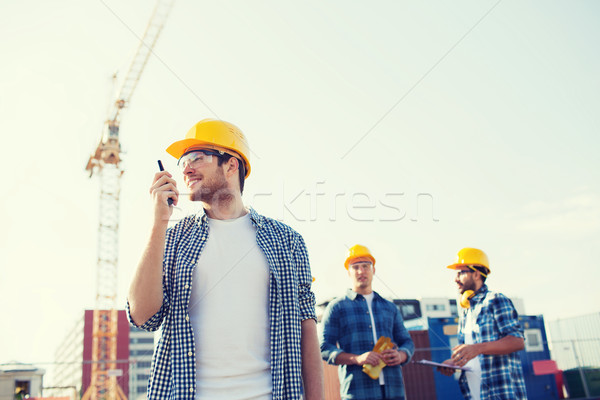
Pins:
x,y
306,297
155,321
506,317
402,337
329,333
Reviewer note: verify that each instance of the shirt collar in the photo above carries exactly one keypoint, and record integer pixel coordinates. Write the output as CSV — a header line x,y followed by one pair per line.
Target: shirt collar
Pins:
x,y
352,295
256,218
480,294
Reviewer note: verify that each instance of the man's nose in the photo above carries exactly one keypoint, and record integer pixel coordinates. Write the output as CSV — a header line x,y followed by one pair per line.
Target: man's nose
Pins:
x,y
188,170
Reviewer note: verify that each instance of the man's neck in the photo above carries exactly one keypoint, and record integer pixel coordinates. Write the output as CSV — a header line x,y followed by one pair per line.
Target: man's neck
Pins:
x,y
363,291
229,209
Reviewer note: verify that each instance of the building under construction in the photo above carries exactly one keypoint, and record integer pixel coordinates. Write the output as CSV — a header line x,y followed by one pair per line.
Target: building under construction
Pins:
x,y
72,372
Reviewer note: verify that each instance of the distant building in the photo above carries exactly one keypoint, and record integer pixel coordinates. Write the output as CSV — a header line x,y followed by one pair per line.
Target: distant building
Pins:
x,y
141,348
68,371
73,358
575,342
17,379
416,312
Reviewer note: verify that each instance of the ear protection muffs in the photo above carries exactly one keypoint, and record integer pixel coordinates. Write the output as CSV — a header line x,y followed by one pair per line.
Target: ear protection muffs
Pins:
x,y
468,294
464,299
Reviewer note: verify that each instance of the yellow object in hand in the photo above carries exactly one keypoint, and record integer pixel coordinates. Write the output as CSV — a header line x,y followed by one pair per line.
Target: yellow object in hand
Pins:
x,y
382,344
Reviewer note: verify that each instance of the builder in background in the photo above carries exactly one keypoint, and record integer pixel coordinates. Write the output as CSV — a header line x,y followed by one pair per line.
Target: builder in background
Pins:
x,y
355,322
489,335
231,288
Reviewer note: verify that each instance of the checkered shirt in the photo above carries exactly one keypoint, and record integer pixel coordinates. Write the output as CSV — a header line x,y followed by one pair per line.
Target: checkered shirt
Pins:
x,y
290,302
346,327
501,375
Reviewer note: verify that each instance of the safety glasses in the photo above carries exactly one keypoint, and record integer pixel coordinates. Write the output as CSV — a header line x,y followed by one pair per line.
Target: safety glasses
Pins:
x,y
461,272
361,265
196,158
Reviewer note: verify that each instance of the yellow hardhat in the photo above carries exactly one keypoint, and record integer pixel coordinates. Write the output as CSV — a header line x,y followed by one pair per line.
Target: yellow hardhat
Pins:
x,y
470,256
358,251
212,133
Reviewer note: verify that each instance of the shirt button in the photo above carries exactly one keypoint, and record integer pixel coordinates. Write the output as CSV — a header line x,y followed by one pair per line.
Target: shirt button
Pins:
x,y
369,326
187,317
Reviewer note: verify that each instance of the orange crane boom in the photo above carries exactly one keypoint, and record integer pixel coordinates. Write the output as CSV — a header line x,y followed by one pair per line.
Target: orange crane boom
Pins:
x,y
105,161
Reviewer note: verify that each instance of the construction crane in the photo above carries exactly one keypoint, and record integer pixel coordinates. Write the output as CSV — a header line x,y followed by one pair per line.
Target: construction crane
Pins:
x,y
106,162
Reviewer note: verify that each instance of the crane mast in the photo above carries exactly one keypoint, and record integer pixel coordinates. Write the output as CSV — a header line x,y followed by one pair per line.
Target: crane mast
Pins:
x,y
106,162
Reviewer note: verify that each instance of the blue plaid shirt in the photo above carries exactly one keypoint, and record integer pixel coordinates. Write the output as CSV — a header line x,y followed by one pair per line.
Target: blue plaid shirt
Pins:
x,y
501,375
290,302
346,327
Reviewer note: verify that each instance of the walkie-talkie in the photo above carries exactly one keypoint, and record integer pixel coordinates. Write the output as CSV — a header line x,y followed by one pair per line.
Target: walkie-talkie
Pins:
x,y
160,167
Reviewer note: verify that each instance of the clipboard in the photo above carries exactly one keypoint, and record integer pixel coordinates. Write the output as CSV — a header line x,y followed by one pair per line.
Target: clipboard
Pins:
x,y
437,364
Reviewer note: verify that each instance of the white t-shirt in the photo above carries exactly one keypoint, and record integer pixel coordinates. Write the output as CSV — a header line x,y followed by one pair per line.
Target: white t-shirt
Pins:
x,y
369,298
229,313
473,376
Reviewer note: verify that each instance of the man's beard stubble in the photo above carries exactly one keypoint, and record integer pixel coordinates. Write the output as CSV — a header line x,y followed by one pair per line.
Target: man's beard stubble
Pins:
x,y
468,285
212,190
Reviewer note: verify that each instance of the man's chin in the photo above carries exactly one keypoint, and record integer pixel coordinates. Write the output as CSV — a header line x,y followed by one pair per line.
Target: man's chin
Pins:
x,y
195,196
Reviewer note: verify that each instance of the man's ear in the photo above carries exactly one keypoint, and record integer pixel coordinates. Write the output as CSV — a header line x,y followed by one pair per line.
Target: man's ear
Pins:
x,y
232,166
478,276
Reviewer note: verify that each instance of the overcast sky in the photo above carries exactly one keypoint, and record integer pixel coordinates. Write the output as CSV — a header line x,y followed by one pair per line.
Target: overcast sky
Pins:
x,y
413,128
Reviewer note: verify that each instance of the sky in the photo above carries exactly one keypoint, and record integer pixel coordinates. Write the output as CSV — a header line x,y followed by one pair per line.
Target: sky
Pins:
x,y
414,128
